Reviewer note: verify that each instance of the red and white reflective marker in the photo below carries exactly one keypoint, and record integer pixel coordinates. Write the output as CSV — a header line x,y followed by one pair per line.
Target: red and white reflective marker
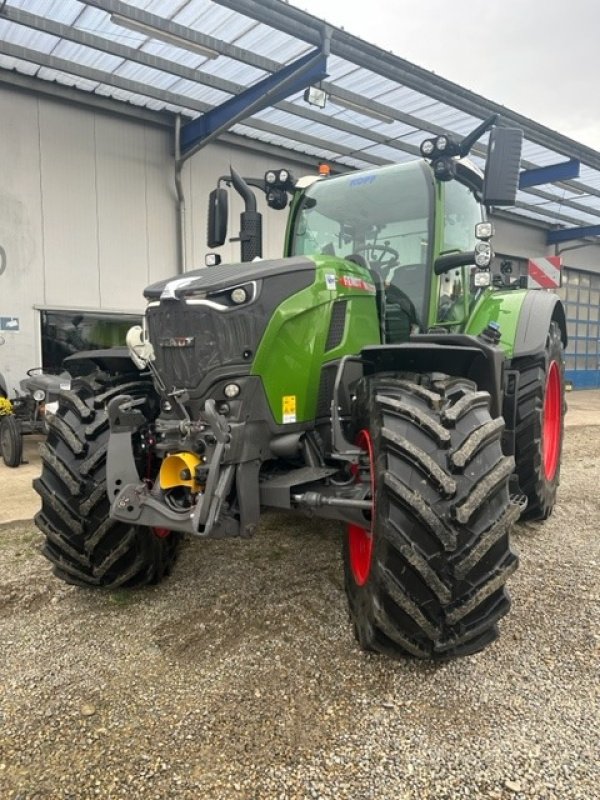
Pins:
x,y
544,273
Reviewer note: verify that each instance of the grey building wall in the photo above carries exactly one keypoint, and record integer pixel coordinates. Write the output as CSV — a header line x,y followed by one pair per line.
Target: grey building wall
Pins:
x,y
527,241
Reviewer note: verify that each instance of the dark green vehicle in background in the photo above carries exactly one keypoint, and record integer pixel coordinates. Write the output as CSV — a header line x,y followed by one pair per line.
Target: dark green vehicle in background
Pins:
x,y
375,375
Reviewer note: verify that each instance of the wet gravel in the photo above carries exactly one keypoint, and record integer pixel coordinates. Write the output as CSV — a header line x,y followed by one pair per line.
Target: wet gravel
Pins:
x,y
239,677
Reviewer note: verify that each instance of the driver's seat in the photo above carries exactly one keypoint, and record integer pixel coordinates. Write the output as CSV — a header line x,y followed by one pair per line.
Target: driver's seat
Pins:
x,y
400,311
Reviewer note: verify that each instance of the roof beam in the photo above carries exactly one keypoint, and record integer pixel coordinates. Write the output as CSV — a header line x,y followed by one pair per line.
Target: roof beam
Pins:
x,y
552,198
316,142
545,213
101,77
189,34
308,69
549,174
69,94
568,234
78,36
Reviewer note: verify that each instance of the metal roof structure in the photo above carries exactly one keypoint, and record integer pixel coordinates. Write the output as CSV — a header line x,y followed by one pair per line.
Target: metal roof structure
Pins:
x,y
188,57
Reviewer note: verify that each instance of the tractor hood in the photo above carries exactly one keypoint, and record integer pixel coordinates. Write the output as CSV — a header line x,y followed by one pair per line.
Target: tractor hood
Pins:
x,y
224,276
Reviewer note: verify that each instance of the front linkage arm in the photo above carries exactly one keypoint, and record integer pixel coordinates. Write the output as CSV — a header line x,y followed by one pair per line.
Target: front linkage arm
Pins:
x,y
136,501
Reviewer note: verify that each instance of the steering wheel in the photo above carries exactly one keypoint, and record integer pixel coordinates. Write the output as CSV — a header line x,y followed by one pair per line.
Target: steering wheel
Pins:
x,y
376,254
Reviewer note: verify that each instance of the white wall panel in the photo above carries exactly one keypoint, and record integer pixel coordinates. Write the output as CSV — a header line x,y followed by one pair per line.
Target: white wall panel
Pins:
x,y
122,213
515,239
21,260
161,220
70,213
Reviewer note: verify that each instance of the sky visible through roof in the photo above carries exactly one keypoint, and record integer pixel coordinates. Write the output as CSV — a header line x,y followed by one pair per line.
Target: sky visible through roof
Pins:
x,y
538,57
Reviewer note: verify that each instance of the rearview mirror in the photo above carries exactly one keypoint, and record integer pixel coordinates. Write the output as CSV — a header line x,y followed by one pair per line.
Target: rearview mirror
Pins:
x,y
217,218
501,179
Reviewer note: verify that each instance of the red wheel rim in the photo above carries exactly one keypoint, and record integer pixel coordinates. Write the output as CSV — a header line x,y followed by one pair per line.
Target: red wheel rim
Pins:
x,y
552,422
360,540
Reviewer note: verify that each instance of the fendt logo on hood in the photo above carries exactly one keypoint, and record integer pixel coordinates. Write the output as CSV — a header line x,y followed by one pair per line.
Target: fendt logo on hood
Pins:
x,y
177,341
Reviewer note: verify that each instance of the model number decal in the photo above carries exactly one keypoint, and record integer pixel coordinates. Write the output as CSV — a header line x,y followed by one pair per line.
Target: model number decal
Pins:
x,y
350,282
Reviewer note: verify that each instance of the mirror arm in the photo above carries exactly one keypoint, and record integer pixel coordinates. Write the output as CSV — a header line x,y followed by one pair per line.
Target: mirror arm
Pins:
x,y
470,139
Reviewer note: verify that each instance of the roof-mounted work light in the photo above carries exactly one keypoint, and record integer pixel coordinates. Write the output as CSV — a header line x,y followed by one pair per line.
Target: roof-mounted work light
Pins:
x,y
315,96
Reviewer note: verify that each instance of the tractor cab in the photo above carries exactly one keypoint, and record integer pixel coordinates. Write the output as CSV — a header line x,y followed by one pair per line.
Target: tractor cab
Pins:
x,y
396,221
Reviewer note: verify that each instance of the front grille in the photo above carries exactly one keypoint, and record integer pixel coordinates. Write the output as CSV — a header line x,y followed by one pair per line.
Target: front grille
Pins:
x,y
190,340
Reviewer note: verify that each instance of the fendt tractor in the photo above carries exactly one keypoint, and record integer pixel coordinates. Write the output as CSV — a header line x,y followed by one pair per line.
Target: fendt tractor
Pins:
x,y
378,374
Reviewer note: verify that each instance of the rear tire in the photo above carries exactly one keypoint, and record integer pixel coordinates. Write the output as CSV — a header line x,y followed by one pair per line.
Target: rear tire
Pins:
x,y
431,584
85,546
11,441
539,432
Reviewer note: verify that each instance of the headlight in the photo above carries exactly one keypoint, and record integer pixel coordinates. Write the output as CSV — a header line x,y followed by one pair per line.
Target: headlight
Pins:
x,y
427,147
239,296
270,177
441,143
231,390
483,254
482,278
484,230
39,395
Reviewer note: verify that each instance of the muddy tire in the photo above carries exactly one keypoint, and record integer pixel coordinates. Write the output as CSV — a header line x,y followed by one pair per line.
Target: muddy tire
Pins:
x,y
425,577
11,441
539,431
84,545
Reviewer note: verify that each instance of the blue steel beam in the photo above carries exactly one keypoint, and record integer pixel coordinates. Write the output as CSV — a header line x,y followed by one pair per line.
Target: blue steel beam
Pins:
x,y
568,234
554,172
298,75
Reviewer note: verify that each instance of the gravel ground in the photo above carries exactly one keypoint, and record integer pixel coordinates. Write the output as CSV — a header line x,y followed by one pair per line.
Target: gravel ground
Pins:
x,y
239,677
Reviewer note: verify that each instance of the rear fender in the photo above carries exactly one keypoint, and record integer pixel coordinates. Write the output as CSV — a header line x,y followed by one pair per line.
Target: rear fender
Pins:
x,y
539,309
524,318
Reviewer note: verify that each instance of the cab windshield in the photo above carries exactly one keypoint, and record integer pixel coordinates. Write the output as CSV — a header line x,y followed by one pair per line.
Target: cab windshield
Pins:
x,y
383,215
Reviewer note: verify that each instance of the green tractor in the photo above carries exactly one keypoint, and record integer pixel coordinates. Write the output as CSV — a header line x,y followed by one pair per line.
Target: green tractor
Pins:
x,y
376,375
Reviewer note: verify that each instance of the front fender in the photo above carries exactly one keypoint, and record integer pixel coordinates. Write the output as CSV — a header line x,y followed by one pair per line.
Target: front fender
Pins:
x,y
524,318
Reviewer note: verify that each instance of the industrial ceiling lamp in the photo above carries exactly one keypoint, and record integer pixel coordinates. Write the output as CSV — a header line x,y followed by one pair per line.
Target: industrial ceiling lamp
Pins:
x,y
315,96
163,36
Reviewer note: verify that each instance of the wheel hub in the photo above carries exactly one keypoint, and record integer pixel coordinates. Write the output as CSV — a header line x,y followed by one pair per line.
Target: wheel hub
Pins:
x,y
551,421
360,540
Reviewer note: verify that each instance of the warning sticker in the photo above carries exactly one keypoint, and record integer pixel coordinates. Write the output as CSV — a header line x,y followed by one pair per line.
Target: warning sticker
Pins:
x,y
289,408
330,281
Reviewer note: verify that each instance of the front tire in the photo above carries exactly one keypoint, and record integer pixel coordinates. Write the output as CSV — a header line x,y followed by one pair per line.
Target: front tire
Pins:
x,y
427,577
11,441
539,432
85,546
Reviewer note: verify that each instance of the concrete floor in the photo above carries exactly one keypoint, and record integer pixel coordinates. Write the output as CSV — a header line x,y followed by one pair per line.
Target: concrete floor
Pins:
x,y
18,501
